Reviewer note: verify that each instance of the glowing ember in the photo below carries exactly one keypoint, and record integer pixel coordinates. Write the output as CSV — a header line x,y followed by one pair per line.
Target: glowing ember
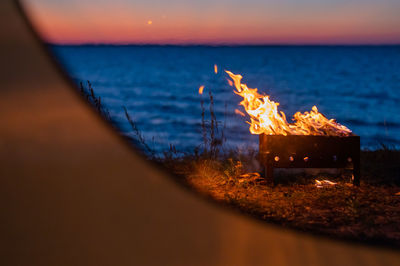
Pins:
x,y
324,183
201,89
239,112
266,119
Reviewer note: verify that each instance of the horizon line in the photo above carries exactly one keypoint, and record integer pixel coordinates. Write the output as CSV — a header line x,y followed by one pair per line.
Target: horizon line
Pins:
x,y
219,44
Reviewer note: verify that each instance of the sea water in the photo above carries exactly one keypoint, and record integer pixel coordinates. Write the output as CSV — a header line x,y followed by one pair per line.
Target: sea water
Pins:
x,y
359,86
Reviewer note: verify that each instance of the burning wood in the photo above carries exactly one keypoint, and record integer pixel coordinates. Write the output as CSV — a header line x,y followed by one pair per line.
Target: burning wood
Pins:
x,y
266,119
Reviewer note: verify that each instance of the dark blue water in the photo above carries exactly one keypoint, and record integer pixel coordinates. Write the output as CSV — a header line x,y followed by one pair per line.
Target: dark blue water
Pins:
x,y
359,86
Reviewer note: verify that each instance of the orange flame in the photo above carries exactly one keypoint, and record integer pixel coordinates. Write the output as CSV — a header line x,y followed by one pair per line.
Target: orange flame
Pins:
x,y
201,89
215,69
238,112
266,119
324,183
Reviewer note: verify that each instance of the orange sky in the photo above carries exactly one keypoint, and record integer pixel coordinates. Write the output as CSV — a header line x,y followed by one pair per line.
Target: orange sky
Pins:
x,y
216,22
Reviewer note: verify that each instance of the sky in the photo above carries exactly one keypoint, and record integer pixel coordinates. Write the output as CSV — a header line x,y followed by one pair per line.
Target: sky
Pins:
x,y
216,21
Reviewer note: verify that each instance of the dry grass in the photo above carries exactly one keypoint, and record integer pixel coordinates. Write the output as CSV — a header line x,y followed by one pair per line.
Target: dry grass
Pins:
x,y
369,213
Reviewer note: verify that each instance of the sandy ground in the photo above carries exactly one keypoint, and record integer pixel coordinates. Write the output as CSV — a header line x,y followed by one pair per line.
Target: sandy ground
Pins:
x,y
72,192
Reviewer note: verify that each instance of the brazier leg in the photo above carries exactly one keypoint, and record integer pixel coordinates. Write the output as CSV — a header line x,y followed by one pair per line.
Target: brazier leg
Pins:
x,y
269,174
356,173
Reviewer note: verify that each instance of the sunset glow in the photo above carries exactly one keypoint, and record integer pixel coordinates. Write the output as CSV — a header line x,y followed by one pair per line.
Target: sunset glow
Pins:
x,y
222,22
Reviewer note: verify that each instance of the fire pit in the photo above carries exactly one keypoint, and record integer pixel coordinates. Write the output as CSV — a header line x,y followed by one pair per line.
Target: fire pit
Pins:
x,y
311,141
296,151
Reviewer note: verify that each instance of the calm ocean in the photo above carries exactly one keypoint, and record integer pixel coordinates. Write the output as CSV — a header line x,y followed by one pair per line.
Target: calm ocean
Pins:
x,y
359,86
